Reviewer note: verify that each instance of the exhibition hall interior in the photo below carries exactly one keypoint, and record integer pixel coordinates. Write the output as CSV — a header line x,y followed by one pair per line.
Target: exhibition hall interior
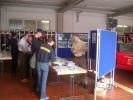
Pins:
x,y
66,49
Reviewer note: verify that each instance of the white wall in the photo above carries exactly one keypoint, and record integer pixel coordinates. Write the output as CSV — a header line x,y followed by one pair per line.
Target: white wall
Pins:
x,y
0,18
27,13
87,22
124,20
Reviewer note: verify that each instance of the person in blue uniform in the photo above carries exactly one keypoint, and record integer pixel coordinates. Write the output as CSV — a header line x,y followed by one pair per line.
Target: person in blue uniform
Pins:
x,y
44,55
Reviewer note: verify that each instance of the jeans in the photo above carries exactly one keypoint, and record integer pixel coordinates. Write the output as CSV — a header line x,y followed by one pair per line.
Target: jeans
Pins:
x,y
42,71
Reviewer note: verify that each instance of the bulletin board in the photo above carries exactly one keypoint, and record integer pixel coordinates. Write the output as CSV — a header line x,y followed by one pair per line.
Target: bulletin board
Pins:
x,y
107,52
65,41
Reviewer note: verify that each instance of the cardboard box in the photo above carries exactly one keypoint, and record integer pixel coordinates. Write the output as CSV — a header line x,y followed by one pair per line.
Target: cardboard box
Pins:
x,y
100,91
103,83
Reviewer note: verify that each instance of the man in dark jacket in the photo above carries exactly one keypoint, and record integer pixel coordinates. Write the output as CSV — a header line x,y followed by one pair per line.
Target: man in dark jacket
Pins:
x,y
34,48
44,55
14,51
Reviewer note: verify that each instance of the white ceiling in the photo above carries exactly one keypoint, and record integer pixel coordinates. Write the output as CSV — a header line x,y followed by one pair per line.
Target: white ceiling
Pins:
x,y
115,7
36,2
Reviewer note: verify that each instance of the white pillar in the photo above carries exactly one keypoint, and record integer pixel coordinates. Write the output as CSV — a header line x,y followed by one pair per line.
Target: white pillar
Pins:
x,y
0,16
60,18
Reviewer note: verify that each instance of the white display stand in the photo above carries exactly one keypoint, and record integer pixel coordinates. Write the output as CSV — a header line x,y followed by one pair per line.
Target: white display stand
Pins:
x,y
103,50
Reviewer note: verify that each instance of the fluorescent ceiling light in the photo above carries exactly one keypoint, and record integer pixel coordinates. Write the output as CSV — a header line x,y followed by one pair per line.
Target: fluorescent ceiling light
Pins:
x,y
44,21
125,26
121,25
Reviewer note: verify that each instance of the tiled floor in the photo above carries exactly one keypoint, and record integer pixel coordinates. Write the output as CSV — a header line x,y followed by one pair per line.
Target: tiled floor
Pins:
x,y
11,88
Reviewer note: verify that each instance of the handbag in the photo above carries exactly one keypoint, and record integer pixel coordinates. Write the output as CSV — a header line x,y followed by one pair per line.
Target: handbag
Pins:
x,y
33,61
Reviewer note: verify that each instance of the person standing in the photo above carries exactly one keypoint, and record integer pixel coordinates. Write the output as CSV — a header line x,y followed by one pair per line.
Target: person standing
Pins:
x,y
23,53
14,51
44,55
34,48
78,49
29,55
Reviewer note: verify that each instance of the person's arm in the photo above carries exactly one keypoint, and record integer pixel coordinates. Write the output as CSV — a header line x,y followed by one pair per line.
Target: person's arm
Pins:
x,y
53,59
72,49
22,47
35,45
16,45
57,63
84,49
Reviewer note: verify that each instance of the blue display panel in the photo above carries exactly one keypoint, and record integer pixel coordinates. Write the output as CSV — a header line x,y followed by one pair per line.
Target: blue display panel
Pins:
x,y
107,52
64,44
93,44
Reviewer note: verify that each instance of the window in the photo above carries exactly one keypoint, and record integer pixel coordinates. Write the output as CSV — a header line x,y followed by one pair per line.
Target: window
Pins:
x,y
123,28
15,24
43,25
119,29
29,24
127,28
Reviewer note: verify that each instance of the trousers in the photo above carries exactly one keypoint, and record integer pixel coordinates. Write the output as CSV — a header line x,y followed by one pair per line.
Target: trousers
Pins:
x,y
81,62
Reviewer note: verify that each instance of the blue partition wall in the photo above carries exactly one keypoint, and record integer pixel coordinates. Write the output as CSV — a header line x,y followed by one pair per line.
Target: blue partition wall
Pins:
x,y
103,49
107,52
64,44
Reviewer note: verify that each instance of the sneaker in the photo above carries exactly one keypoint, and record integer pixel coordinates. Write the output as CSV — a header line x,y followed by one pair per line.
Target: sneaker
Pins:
x,y
24,80
34,91
46,98
86,86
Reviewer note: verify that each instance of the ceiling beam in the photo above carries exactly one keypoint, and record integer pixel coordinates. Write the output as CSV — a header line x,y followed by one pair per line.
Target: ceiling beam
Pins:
x,y
123,11
69,5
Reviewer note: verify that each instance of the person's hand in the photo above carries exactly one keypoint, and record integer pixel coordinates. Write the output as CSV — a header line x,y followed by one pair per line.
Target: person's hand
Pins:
x,y
29,52
76,51
24,52
58,63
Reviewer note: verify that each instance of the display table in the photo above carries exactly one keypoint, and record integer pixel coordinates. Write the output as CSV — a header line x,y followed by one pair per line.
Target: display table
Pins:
x,y
69,70
4,55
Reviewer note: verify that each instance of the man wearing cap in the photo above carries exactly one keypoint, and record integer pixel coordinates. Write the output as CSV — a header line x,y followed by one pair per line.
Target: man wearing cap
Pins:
x,y
34,48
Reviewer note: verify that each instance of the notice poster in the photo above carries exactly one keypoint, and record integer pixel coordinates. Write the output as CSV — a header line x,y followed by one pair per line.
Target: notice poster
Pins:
x,y
93,37
70,44
83,37
62,44
62,36
70,37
